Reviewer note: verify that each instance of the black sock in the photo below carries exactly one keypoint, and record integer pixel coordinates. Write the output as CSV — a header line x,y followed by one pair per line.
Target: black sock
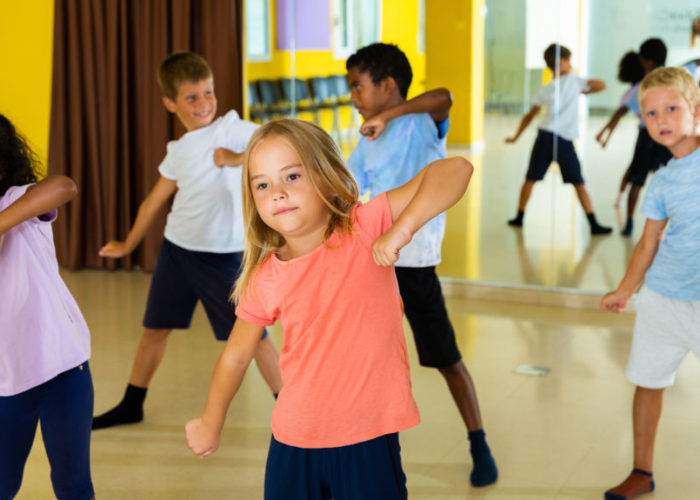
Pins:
x,y
485,471
518,221
595,227
627,231
128,411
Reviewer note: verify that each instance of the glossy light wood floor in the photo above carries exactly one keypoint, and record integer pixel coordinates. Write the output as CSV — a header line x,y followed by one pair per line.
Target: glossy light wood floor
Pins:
x,y
565,435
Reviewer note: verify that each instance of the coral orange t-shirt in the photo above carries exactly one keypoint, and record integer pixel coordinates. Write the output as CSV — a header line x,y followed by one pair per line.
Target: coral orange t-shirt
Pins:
x,y
344,365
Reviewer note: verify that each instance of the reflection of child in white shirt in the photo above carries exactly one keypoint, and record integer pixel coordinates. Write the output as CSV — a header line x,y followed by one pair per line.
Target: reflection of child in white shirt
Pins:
x,y
557,131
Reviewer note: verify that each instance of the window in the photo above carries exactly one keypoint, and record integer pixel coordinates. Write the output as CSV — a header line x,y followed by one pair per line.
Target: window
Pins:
x,y
257,30
356,23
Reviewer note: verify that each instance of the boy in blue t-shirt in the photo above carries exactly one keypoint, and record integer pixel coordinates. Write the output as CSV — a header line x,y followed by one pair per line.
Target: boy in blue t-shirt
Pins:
x,y
400,138
666,259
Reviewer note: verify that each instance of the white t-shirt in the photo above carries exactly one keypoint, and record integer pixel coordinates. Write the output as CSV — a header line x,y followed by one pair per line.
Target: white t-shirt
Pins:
x,y
560,99
206,215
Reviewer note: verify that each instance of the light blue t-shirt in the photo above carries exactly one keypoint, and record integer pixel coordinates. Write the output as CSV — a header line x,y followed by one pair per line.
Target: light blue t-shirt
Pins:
x,y
405,147
674,194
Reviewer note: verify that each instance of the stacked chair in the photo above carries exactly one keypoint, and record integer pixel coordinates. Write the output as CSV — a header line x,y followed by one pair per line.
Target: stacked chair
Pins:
x,y
287,97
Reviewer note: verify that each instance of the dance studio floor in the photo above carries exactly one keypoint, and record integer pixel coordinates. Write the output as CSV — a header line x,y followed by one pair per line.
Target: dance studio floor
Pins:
x,y
564,435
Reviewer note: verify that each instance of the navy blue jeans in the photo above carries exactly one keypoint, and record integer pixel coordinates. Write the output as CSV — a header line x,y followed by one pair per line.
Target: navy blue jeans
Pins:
x,y
63,406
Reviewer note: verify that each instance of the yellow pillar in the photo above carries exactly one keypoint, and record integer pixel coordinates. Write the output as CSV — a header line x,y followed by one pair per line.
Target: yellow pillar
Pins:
x,y
454,38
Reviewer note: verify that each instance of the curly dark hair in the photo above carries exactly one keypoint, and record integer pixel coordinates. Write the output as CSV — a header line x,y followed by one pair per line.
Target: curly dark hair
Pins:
x,y
383,60
18,162
654,50
630,69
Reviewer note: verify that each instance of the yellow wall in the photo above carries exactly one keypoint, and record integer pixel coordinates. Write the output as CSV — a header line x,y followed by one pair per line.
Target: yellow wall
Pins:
x,y
454,34
26,52
399,26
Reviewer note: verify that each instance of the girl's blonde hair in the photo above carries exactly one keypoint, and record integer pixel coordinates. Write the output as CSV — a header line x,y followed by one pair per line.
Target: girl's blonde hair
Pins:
x,y
678,79
322,161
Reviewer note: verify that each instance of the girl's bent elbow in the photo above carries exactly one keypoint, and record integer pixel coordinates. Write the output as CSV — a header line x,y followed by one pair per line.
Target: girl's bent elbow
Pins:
x,y
66,187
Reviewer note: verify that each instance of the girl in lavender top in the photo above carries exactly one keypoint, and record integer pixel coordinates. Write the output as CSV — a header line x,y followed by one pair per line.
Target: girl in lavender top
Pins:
x,y
44,340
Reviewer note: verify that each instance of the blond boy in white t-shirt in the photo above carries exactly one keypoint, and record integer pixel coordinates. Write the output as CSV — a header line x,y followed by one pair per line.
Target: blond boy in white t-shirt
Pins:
x,y
201,253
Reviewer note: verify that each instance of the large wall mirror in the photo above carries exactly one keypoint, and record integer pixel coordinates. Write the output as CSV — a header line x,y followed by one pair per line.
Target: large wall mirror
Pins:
x,y
296,51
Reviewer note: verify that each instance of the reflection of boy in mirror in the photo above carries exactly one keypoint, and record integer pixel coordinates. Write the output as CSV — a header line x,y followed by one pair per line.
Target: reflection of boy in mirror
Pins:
x,y
401,137
648,155
560,123
668,306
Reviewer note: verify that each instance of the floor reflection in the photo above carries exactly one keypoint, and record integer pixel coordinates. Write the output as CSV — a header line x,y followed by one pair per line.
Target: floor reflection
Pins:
x,y
554,248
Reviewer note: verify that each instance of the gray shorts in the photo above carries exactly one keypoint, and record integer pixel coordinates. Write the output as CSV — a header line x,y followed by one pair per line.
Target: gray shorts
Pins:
x,y
664,331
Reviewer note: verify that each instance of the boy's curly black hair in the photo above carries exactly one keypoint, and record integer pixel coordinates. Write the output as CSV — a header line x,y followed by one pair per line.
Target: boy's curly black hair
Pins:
x,y
654,49
17,161
630,69
383,60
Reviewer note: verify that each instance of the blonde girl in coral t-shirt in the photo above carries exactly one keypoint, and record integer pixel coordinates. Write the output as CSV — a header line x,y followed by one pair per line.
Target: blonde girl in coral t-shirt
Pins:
x,y
322,263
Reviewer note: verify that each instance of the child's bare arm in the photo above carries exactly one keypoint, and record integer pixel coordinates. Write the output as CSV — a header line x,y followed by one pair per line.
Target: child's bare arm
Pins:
x,y
609,127
432,191
593,86
226,158
148,210
204,433
527,118
39,199
643,256
436,102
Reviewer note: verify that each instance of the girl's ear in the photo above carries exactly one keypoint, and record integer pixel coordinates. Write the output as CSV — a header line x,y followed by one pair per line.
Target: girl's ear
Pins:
x,y
696,112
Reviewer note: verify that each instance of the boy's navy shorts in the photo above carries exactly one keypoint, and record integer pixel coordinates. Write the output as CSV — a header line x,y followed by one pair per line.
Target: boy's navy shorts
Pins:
x,y
425,310
648,157
183,277
370,470
63,406
543,155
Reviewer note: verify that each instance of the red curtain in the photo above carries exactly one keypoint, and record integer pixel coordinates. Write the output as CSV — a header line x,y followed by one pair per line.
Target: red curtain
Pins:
x,y
109,128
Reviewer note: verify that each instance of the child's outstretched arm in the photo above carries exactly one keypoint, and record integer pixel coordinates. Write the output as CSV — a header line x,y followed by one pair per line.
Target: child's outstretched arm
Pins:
x,y
148,210
643,256
609,127
226,158
593,86
46,195
524,122
204,433
432,191
436,102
